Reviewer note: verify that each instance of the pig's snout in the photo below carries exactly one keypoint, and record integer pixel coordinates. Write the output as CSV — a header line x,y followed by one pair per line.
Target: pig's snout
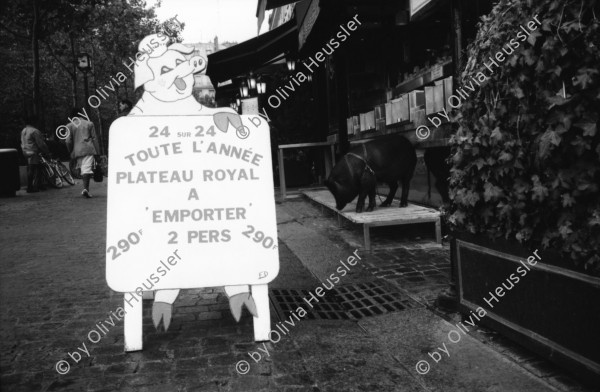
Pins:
x,y
197,64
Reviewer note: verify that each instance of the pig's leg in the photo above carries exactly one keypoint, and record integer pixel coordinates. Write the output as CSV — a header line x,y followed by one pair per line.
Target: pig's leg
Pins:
x,y
390,197
371,200
360,203
405,189
238,296
368,183
162,308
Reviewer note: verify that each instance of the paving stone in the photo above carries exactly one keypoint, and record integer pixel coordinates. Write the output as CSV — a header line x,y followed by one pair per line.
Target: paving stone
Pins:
x,y
53,292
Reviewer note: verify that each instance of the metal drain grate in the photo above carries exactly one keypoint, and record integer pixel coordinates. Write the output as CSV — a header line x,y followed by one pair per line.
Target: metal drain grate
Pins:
x,y
342,303
288,301
371,299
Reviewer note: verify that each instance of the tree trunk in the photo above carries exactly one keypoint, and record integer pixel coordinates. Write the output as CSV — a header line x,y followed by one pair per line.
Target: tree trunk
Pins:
x,y
126,90
100,127
73,73
36,60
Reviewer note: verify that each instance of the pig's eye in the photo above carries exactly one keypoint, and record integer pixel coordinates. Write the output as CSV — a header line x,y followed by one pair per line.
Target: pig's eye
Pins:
x,y
178,61
165,69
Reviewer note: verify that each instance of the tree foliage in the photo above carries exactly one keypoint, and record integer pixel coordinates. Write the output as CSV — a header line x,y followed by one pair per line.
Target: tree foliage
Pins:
x,y
526,155
108,30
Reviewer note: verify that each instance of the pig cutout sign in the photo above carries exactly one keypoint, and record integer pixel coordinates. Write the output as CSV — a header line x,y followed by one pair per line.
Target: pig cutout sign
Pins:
x,y
190,198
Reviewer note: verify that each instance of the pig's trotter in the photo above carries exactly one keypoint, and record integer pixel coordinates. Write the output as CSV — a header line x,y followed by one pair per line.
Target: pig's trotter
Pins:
x,y
385,204
371,204
403,204
221,121
236,302
162,310
359,208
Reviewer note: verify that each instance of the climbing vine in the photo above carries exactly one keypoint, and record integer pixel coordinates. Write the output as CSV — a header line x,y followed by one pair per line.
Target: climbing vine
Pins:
x,y
526,155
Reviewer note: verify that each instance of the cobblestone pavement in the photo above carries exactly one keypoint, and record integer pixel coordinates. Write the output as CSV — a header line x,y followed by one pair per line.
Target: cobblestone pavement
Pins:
x,y
406,257
53,293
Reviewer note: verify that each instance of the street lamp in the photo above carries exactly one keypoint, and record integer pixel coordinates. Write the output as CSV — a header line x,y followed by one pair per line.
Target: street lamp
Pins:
x,y
244,90
251,81
84,63
291,64
261,87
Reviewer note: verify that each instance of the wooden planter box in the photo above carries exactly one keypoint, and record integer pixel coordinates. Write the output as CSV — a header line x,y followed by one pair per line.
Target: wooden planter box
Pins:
x,y
553,309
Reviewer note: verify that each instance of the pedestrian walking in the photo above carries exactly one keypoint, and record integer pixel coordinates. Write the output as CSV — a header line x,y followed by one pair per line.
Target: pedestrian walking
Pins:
x,y
83,145
32,144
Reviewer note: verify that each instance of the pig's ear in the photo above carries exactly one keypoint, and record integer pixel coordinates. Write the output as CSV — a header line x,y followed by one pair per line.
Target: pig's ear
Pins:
x,y
142,73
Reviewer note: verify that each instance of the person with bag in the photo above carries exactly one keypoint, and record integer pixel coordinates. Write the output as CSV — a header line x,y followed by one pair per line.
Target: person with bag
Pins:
x,y
32,144
83,145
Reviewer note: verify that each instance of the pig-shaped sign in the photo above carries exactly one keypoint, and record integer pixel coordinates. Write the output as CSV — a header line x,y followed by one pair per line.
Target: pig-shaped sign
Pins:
x,y
190,197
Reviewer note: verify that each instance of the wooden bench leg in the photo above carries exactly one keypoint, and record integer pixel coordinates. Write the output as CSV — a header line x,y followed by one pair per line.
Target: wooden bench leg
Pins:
x,y
281,175
262,323
132,323
438,231
367,236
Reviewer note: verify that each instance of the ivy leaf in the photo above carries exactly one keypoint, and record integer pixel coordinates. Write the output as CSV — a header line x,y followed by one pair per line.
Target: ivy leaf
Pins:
x,y
548,139
505,157
491,192
497,134
584,77
589,129
479,163
539,191
471,198
529,57
567,200
533,37
518,92
565,230
595,220
457,218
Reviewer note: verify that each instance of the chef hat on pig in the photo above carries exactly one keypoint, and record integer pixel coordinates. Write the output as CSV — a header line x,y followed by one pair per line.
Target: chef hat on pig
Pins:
x,y
148,49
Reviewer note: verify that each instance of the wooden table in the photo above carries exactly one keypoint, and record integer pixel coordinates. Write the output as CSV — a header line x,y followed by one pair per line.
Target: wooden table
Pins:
x,y
388,216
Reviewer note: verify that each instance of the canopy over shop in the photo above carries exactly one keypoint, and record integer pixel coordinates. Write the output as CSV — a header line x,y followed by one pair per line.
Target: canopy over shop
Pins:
x,y
377,67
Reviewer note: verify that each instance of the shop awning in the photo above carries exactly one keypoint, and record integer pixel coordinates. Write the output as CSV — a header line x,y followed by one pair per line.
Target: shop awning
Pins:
x,y
264,5
253,53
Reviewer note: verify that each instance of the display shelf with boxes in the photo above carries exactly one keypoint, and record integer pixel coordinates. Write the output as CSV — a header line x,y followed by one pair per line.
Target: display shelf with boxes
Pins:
x,y
428,76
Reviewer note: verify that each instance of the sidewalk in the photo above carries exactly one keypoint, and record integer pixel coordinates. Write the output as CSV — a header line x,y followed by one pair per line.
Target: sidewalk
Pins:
x,y
53,293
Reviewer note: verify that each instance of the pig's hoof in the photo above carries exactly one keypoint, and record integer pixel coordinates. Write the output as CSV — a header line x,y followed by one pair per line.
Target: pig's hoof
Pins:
x,y
370,208
359,209
162,310
404,204
385,204
236,302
